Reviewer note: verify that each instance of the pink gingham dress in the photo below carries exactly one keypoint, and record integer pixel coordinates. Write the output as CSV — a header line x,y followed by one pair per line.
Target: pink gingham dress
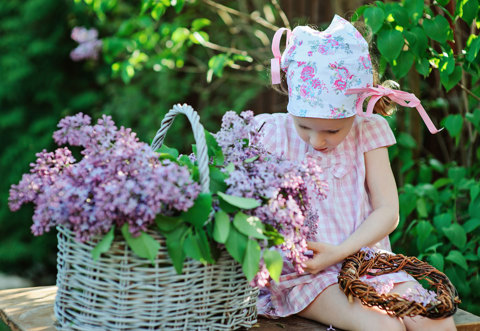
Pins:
x,y
347,204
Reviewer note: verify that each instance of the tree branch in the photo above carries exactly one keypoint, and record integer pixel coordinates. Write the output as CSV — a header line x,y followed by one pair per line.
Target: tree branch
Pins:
x,y
282,14
469,92
255,18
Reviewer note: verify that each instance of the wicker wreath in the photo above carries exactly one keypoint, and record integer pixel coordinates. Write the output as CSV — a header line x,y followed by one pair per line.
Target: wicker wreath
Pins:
x,y
366,263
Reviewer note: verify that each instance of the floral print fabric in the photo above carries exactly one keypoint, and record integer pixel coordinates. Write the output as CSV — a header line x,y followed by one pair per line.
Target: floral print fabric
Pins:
x,y
321,65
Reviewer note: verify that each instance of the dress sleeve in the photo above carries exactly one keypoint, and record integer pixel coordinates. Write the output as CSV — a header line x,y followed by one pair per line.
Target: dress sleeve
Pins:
x,y
265,122
376,133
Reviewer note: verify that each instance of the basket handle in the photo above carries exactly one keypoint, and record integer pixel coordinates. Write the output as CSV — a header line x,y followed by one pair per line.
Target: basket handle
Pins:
x,y
198,133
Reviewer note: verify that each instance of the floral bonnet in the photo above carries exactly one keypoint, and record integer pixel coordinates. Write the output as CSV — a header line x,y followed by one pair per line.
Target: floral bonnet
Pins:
x,y
329,73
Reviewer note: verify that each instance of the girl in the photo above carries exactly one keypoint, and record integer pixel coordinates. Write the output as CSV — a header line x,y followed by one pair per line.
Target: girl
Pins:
x,y
329,76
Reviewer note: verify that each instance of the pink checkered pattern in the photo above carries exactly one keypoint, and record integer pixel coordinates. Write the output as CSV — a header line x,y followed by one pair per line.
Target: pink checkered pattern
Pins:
x,y
345,208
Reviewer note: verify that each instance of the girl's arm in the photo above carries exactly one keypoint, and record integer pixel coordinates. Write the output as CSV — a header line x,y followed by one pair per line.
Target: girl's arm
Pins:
x,y
383,220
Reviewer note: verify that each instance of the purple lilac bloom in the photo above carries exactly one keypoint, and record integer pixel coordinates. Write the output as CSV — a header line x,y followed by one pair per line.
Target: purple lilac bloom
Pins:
x,y
119,180
89,46
282,186
369,252
420,295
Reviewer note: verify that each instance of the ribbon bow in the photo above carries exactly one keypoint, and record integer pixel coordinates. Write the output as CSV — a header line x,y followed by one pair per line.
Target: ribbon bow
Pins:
x,y
275,62
400,97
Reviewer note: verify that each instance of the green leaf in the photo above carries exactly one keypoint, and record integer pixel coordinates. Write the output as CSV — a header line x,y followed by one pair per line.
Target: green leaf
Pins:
x,y
400,15
358,13
374,18
436,259
442,221
144,245
457,174
236,244
441,182
167,223
408,202
474,191
390,44
473,49
422,208
467,10
167,150
200,23
414,9
457,257
178,4
456,234
446,65
212,144
424,230
437,29
453,79
104,244
249,225
274,238
423,67
417,40
240,202
471,225
197,247
406,140
474,118
175,241
474,208
180,35
217,63
221,228
217,180
401,65
274,263
454,124
436,165
158,11
250,160
252,258
198,214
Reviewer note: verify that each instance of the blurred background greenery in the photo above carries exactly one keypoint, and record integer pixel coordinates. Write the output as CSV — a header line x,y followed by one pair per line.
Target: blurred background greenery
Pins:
x,y
215,56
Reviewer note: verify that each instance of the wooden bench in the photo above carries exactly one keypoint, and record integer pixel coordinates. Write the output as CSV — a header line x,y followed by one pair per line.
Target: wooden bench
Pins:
x,y
32,309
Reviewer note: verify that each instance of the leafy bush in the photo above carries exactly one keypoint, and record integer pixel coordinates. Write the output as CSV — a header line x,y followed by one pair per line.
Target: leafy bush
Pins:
x,y
439,200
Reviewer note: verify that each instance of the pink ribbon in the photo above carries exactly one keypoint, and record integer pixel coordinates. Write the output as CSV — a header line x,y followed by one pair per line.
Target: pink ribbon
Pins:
x,y
400,97
275,62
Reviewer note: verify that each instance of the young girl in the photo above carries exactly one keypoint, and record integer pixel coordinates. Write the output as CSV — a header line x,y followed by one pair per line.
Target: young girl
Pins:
x,y
329,76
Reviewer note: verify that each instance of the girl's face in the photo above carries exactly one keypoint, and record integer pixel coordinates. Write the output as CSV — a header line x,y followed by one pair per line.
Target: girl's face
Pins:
x,y
323,134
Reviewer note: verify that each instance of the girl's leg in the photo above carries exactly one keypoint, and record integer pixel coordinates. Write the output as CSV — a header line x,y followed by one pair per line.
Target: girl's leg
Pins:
x,y
420,322
332,307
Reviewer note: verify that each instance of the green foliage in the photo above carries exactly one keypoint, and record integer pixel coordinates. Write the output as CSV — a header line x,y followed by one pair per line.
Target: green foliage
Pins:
x,y
439,218
440,223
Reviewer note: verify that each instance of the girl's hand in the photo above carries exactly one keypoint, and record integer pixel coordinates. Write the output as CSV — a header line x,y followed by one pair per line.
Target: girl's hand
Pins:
x,y
324,255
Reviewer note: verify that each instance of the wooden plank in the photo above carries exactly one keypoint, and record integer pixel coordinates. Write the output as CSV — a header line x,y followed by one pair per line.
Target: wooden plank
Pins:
x,y
31,309
28,308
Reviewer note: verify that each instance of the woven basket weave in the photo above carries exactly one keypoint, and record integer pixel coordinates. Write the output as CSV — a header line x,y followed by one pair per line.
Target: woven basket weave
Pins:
x,y
121,291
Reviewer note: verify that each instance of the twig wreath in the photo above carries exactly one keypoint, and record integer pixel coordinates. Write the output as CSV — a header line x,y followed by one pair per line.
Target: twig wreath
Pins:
x,y
368,262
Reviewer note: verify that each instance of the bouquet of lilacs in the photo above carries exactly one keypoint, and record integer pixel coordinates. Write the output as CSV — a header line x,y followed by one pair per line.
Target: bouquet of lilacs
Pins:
x,y
119,183
282,218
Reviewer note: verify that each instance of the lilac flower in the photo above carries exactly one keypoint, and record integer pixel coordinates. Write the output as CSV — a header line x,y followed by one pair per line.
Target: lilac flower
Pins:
x,y
89,46
119,180
382,287
369,252
420,295
281,186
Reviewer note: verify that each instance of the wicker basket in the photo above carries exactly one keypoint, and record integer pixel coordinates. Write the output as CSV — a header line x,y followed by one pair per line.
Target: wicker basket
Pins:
x,y
121,291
